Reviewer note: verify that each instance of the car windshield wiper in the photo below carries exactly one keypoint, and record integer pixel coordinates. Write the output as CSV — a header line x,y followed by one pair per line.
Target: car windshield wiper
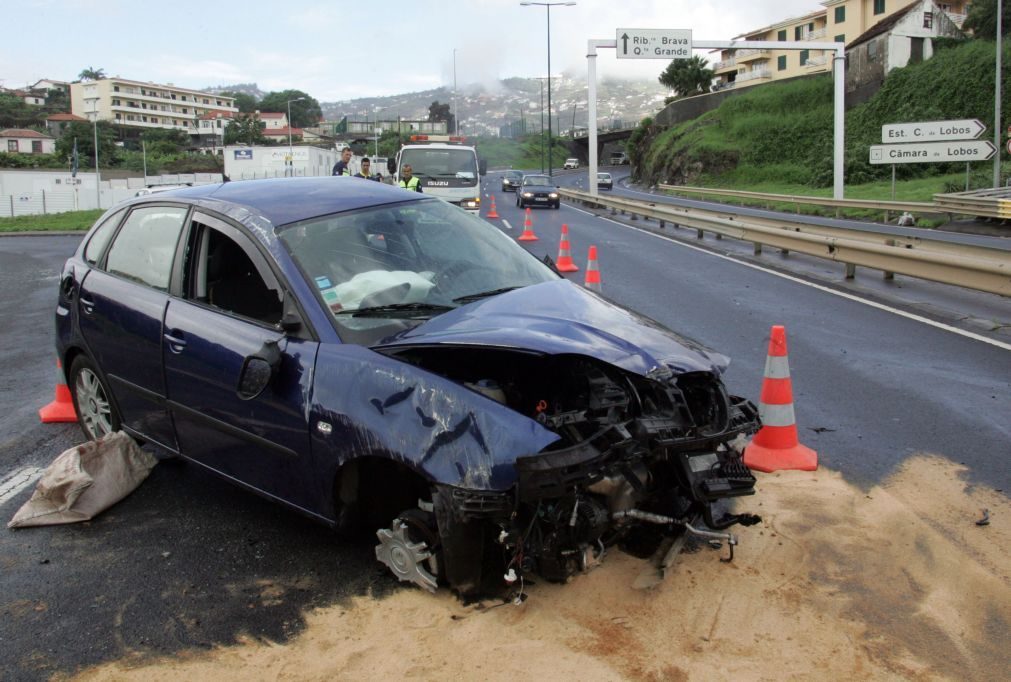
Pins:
x,y
484,294
398,310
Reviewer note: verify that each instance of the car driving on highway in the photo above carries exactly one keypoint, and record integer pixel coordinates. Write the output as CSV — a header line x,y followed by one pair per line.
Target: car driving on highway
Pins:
x,y
386,363
538,190
604,181
511,180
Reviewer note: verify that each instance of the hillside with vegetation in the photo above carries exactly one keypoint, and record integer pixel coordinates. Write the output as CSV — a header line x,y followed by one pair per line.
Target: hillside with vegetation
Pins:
x,y
782,133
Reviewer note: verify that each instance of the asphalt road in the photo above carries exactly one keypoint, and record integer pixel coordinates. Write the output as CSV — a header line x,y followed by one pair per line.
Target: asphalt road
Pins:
x,y
188,561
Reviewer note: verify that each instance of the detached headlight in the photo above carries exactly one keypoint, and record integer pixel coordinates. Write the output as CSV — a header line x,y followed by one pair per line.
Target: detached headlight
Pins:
x,y
553,195
471,203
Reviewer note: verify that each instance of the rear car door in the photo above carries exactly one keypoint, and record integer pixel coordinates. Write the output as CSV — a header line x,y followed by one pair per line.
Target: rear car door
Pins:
x,y
229,311
121,306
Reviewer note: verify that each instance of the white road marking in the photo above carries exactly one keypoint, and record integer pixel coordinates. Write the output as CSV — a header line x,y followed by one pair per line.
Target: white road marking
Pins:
x,y
507,225
16,481
828,290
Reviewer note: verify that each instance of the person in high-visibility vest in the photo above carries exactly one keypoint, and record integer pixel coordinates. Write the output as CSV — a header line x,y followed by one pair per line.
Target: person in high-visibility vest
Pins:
x,y
407,179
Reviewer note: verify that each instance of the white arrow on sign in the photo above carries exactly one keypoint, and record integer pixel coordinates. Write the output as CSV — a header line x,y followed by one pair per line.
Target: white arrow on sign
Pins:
x,y
932,152
932,131
648,43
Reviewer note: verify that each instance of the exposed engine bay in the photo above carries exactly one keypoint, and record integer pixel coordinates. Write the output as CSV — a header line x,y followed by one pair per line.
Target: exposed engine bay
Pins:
x,y
639,459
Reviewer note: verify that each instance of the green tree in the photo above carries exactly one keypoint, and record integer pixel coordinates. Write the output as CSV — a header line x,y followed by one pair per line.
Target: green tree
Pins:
x,y
245,129
85,134
15,113
304,113
441,112
982,19
165,142
91,74
688,77
245,103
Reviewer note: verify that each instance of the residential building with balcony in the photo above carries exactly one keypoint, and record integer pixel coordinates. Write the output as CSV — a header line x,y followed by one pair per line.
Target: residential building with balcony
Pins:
x,y
840,21
139,105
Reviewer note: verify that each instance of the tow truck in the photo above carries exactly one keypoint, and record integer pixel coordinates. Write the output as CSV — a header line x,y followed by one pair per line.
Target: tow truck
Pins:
x,y
445,166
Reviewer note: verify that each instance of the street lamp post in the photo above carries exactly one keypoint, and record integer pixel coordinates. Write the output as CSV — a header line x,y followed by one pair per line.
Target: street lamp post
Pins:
x,y
98,176
456,112
291,153
548,6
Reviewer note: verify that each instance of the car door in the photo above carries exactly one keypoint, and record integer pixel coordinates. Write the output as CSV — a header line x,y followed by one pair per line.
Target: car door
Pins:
x,y
121,307
229,311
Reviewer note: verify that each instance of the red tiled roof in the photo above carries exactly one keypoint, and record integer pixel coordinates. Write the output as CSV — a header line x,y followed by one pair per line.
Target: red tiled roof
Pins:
x,y
64,117
216,113
281,132
271,114
22,132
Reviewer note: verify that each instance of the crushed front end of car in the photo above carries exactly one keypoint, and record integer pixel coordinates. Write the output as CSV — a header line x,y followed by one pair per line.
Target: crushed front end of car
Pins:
x,y
639,459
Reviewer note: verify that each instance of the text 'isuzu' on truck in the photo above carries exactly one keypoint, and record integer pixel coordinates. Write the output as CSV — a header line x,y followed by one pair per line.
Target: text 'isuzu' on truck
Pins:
x,y
445,167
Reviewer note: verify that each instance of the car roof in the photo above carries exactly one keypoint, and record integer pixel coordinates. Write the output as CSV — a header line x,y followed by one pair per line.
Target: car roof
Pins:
x,y
288,200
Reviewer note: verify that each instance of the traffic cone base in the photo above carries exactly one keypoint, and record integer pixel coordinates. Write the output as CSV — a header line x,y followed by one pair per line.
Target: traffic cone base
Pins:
x,y
764,459
62,407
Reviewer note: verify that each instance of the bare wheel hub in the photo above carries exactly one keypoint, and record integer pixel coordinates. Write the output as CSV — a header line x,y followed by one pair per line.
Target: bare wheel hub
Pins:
x,y
403,557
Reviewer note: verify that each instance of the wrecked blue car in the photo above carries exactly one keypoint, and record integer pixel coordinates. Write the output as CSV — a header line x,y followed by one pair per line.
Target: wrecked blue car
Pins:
x,y
388,364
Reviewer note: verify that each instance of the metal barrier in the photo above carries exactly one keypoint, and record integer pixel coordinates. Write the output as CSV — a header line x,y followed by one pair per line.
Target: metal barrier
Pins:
x,y
886,206
963,265
987,203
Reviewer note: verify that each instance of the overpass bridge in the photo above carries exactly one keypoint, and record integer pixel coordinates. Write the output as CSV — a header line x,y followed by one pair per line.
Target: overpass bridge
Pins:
x,y
580,144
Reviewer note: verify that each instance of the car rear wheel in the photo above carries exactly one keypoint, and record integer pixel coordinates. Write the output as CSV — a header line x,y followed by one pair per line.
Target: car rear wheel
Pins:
x,y
96,412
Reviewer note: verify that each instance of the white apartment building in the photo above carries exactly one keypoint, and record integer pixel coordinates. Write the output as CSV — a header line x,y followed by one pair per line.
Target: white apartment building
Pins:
x,y
145,105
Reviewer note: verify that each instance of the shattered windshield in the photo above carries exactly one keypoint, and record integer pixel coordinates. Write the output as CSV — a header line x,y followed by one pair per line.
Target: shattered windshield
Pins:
x,y
408,261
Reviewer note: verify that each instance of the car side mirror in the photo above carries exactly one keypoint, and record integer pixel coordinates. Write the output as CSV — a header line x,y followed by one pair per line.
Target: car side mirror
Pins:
x,y
482,166
391,166
258,370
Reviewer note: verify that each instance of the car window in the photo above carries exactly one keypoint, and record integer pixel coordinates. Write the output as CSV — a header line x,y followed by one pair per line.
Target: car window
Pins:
x,y
230,275
418,252
145,246
100,238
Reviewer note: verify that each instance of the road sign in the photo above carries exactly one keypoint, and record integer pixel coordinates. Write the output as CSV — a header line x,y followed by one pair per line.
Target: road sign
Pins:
x,y
932,152
650,43
932,131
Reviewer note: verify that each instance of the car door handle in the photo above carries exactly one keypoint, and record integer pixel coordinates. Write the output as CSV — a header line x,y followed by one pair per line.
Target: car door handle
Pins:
x,y
176,342
87,303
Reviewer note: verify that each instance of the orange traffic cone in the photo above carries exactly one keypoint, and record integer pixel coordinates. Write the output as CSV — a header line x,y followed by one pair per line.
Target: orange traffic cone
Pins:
x,y
776,446
592,281
564,263
492,213
62,407
528,230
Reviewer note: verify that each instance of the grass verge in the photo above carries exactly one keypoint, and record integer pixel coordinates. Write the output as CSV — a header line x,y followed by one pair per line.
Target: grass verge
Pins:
x,y
54,222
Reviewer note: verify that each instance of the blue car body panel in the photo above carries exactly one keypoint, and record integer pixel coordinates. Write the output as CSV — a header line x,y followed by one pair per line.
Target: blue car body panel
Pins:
x,y
560,317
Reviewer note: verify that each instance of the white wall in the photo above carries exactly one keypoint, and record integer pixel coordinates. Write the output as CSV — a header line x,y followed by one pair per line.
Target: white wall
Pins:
x,y
253,163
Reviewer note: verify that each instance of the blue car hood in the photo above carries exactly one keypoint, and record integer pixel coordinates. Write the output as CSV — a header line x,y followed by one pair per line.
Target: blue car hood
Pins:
x,y
559,317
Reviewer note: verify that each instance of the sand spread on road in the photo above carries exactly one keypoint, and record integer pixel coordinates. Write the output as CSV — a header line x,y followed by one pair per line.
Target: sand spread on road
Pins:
x,y
837,582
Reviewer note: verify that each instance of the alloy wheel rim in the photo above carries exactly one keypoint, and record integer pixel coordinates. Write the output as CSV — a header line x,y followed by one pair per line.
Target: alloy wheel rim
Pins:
x,y
93,404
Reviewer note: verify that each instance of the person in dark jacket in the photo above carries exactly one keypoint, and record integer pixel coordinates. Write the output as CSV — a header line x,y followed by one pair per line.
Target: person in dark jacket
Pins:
x,y
341,167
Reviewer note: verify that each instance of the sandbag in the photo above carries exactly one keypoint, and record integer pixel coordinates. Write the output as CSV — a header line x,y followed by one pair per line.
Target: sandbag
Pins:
x,y
86,480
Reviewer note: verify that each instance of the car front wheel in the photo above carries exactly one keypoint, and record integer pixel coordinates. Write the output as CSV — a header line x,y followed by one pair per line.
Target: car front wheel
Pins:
x,y
96,412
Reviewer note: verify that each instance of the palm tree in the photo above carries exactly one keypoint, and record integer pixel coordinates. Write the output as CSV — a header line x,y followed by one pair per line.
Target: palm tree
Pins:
x,y
688,77
91,74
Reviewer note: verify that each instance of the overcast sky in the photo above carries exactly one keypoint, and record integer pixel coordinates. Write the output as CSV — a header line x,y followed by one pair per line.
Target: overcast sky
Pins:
x,y
342,49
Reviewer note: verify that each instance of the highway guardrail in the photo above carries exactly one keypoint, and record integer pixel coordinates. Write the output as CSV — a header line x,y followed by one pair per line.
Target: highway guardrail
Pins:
x,y
964,265
888,207
988,203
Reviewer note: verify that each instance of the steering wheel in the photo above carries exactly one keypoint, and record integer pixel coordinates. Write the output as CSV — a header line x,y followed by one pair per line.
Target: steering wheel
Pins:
x,y
452,272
